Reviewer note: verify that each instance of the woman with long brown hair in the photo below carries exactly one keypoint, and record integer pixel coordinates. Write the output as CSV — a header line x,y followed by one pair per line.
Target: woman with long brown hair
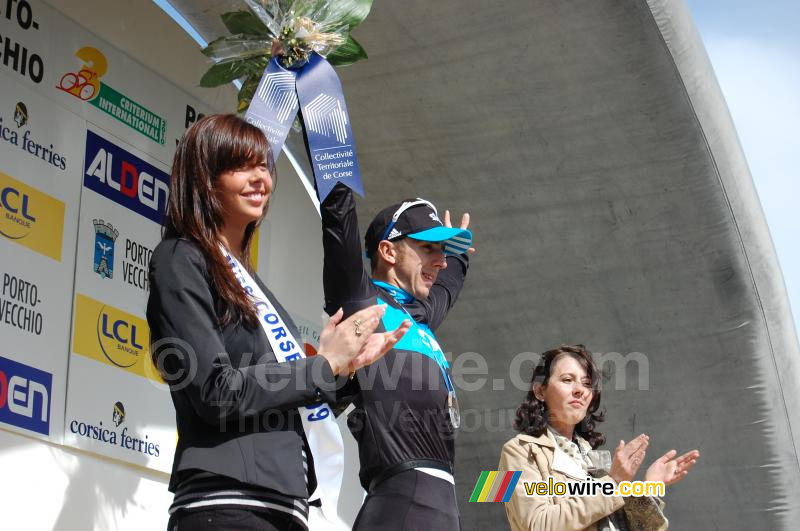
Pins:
x,y
558,438
230,352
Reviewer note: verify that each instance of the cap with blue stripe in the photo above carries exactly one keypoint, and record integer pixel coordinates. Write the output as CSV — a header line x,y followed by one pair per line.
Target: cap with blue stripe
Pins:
x,y
456,241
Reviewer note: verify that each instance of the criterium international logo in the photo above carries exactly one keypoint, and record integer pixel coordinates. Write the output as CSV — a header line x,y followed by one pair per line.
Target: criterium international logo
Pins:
x,y
31,218
105,235
85,85
113,337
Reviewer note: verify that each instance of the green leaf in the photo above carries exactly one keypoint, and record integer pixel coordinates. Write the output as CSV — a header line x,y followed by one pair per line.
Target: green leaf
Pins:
x,y
354,11
227,71
348,53
246,92
244,22
237,46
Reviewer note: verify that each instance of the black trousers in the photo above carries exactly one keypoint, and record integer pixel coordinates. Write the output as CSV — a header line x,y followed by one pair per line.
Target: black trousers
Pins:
x,y
410,501
231,519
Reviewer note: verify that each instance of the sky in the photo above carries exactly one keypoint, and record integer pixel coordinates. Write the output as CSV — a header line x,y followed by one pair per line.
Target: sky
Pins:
x,y
754,47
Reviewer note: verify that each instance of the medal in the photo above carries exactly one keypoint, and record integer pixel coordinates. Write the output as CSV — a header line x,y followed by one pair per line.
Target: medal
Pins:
x,y
453,410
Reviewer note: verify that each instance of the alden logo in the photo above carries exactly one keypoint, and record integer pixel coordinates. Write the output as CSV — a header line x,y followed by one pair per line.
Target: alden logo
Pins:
x,y
124,178
109,335
30,217
85,85
25,396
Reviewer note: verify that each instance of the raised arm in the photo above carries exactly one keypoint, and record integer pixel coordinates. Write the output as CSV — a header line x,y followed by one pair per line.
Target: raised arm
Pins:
x,y
445,290
344,279
449,282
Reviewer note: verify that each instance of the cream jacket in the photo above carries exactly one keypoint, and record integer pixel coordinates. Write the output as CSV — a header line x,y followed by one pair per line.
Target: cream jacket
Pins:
x,y
538,458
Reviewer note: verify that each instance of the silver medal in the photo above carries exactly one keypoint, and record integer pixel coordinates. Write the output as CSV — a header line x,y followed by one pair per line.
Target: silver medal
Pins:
x,y
453,410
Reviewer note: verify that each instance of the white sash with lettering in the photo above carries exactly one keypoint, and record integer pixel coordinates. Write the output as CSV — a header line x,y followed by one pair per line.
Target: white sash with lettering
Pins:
x,y
322,432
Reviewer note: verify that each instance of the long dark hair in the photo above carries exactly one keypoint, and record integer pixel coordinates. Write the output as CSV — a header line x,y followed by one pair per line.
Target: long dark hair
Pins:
x,y
532,414
213,145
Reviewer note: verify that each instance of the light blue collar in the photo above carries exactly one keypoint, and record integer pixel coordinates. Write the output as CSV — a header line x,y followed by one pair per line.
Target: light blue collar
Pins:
x,y
398,294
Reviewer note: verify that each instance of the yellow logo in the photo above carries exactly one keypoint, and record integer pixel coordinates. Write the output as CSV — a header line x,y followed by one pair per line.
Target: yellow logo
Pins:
x,y
30,217
85,83
109,335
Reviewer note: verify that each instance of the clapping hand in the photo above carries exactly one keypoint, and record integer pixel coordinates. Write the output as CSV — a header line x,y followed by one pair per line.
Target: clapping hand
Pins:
x,y
351,344
628,458
671,469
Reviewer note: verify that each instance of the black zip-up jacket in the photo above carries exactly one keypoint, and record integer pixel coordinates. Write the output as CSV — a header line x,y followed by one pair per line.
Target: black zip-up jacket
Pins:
x,y
235,406
401,410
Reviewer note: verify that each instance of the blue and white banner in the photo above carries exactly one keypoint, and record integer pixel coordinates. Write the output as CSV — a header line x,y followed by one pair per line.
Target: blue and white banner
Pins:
x,y
316,90
274,105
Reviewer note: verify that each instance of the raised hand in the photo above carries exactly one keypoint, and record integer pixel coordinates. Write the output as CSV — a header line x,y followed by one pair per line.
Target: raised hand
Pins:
x,y
628,458
670,469
464,224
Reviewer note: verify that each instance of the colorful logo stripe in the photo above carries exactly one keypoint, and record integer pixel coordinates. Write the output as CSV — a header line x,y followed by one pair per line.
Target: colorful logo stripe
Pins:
x,y
495,487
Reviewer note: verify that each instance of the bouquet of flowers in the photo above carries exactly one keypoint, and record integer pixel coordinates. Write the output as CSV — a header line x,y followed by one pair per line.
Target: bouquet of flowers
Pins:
x,y
291,29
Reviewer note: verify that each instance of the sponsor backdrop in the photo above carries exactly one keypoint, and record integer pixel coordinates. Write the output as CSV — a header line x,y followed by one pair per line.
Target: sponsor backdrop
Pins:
x,y
86,139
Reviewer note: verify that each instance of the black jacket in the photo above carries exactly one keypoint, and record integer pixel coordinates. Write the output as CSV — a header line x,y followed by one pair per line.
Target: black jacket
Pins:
x,y
401,405
228,422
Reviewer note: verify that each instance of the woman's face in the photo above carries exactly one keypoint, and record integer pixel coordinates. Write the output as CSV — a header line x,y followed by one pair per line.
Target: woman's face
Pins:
x,y
244,193
567,393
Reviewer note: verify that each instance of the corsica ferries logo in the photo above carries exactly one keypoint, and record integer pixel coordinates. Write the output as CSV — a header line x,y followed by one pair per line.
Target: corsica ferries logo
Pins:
x,y
113,337
118,416
26,141
85,85
112,436
30,217
20,114
104,237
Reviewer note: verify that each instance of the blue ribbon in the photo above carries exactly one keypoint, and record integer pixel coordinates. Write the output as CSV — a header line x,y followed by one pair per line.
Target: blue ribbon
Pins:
x,y
316,90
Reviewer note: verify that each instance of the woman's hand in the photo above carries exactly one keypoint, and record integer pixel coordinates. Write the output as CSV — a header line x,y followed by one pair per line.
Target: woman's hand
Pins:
x,y
377,346
350,344
464,225
628,458
670,469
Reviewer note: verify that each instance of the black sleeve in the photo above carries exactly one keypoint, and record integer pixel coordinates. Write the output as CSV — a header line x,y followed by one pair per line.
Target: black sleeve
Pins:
x,y
182,319
344,279
445,290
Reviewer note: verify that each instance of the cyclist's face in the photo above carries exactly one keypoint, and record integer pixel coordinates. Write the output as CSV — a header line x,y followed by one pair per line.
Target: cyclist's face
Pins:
x,y
417,265
244,194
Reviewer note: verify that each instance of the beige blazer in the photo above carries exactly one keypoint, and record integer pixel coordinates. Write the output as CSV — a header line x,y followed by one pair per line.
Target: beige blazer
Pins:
x,y
537,458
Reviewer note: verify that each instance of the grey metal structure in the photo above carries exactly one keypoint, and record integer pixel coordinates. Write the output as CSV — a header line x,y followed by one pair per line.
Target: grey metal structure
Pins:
x,y
612,206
